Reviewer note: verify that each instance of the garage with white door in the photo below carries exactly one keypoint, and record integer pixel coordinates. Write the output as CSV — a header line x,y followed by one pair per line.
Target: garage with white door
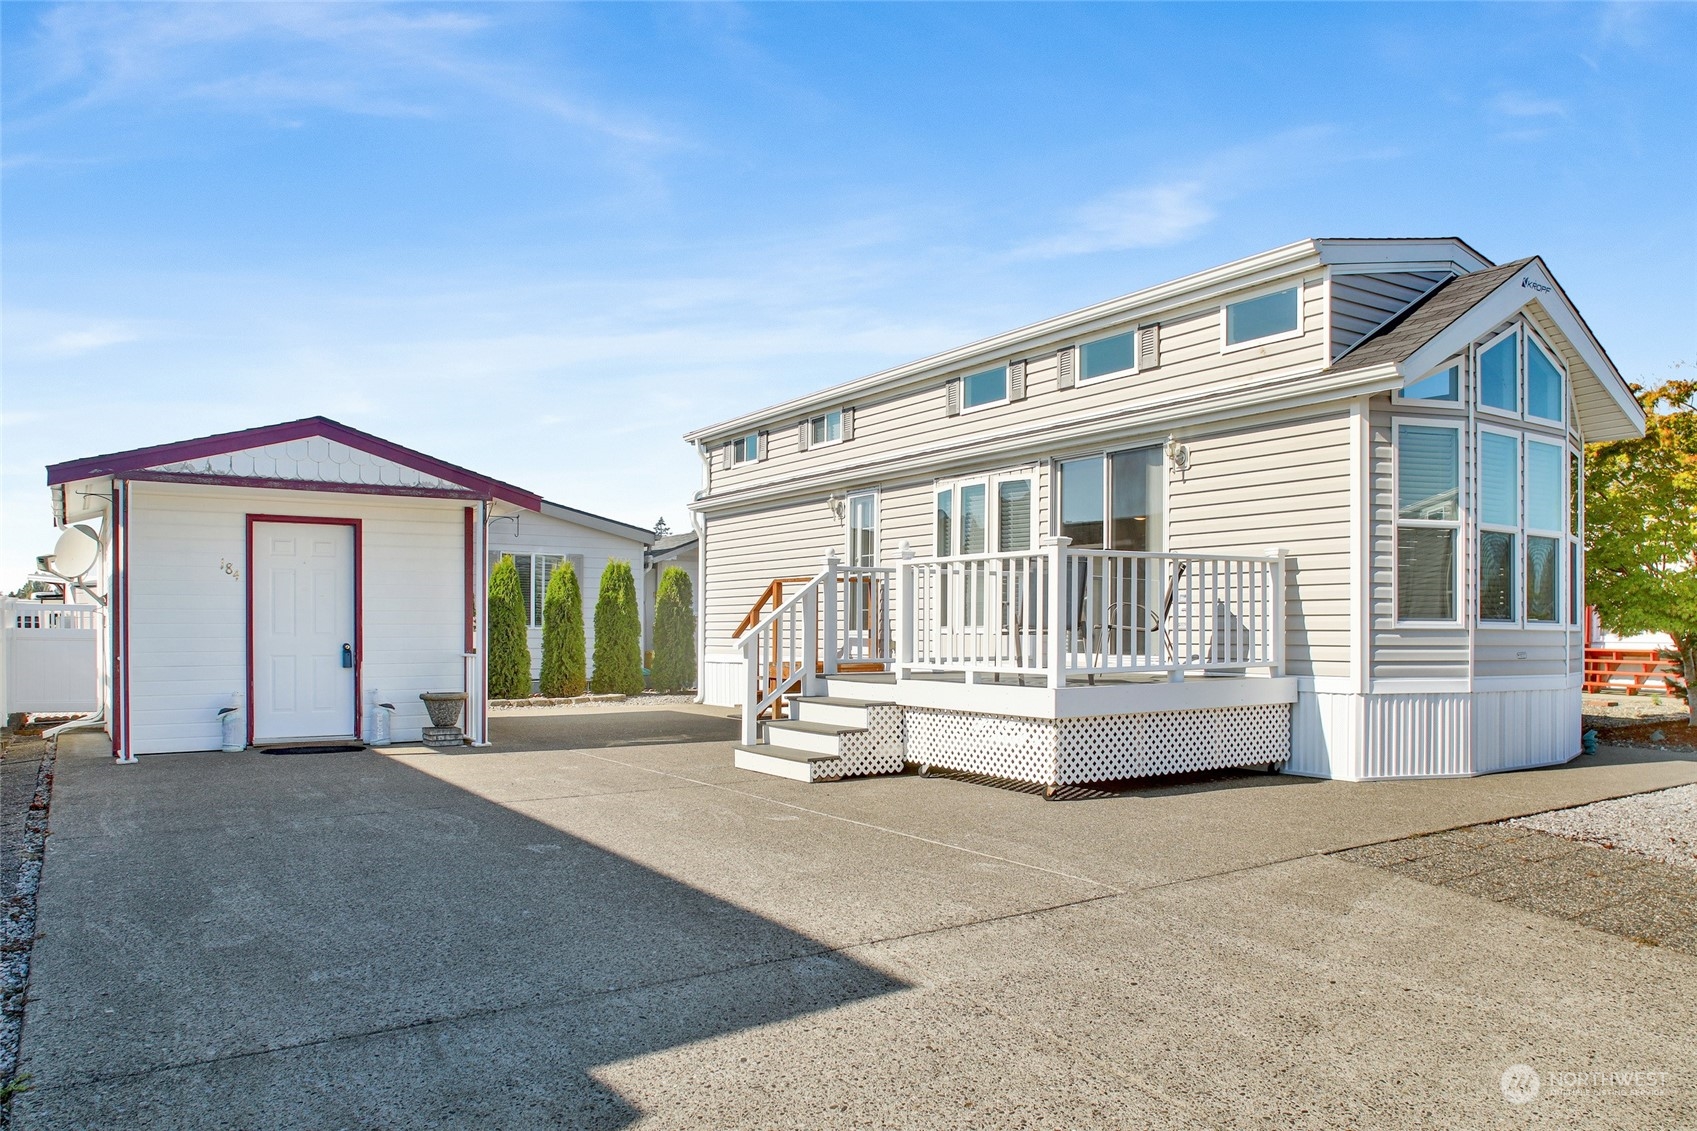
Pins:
x,y
304,576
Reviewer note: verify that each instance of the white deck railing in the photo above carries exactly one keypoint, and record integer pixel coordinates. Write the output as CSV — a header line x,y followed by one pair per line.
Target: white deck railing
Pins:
x,y
839,618
1062,613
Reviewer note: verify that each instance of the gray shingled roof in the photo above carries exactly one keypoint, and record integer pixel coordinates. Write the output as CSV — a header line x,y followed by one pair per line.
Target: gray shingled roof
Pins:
x,y
670,542
1402,336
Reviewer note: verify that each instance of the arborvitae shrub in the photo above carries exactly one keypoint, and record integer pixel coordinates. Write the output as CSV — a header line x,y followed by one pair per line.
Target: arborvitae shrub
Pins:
x,y
618,634
563,670
509,650
674,632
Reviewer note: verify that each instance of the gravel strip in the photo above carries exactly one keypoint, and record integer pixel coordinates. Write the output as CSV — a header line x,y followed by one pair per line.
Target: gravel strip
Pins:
x,y
1661,825
27,766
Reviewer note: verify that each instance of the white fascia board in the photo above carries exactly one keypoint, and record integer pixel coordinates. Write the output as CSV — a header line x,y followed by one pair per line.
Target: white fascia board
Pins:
x,y
1400,254
1534,284
596,522
82,500
1200,288
1277,393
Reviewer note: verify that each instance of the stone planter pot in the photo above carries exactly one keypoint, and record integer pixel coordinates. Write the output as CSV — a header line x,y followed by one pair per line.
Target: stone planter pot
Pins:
x,y
444,707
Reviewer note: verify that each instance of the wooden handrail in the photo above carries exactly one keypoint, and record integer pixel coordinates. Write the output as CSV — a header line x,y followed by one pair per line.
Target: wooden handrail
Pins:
x,y
772,596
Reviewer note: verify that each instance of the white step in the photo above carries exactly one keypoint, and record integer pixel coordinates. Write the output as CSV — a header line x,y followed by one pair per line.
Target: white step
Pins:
x,y
813,738
832,710
780,763
870,687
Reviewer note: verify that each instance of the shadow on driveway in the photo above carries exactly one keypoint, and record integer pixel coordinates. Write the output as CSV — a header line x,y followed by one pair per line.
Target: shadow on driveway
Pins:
x,y
596,730
340,940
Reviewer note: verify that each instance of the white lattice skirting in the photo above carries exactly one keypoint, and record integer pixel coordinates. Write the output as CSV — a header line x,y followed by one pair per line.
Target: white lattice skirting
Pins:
x,y
876,751
1100,747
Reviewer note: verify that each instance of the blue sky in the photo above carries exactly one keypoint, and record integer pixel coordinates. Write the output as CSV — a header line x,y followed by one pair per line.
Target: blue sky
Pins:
x,y
543,241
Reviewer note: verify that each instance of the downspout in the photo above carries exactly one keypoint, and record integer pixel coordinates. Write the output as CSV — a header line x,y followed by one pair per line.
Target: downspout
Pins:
x,y
698,523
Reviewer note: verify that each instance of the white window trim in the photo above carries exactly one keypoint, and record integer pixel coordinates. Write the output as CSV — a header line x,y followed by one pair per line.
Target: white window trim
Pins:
x,y
1560,535
1458,524
1301,288
1006,390
877,523
1133,333
1518,528
992,509
1532,338
736,460
1478,351
826,443
1459,364
1104,454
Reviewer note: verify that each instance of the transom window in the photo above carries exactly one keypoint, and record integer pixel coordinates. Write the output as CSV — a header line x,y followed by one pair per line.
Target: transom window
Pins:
x,y
989,386
1444,385
1264,316
1104,356
746,449
826,429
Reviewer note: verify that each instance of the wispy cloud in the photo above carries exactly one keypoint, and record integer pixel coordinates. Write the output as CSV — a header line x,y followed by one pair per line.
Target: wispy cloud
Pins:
x,y
47,336
1149,216
1184,203
1514,104
272,60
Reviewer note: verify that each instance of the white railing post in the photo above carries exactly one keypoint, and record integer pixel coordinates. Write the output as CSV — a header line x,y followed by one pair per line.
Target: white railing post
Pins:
x,y
1276,609
751,689
829,622
909,615
808,660
1057,618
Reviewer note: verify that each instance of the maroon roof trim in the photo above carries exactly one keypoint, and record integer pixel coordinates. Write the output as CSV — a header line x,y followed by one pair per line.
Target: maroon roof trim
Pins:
x,y
140,459
200,479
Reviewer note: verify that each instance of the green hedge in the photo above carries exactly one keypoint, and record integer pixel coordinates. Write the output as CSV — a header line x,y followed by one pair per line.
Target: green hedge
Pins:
x,y
674,632
509,650
562,635
618,634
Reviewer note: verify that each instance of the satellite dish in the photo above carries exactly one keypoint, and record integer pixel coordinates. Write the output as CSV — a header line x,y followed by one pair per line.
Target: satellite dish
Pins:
x,y
76,552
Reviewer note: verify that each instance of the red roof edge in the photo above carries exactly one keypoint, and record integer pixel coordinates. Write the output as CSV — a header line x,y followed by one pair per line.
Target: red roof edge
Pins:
x,y
136,459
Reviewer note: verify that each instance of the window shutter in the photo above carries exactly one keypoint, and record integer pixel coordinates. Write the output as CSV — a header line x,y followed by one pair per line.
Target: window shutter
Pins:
x,y
953,388
1149,346
803,433
1066,367
1016,380
725,455
765,442
848,424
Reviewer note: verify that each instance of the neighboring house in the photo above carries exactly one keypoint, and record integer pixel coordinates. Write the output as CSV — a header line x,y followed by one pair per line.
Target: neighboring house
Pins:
x,y
682,551
311,569
540,539
1337,479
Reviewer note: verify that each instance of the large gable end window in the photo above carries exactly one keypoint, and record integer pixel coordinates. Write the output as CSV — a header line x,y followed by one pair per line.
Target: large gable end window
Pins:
x,y
1264,317
1428,482
1545,388
1499,378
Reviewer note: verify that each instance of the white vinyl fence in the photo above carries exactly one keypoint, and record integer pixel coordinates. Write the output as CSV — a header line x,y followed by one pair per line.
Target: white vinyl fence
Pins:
x,y
49,657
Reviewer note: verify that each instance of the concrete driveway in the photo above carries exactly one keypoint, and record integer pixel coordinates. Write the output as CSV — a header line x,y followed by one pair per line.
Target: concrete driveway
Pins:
x,y
598,923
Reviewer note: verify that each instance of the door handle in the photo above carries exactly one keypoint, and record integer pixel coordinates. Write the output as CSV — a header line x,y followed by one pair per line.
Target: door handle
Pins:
x,y
347,655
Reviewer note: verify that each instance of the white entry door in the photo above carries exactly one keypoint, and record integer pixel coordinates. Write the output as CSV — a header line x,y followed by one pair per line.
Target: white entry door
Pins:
x,y
303,631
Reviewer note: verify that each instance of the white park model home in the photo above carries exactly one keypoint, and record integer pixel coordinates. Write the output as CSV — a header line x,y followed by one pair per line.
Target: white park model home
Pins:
x,y
1335,484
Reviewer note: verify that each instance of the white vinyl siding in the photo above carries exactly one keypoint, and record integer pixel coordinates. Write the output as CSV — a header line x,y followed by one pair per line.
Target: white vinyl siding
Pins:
x,y
188,620
903,424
